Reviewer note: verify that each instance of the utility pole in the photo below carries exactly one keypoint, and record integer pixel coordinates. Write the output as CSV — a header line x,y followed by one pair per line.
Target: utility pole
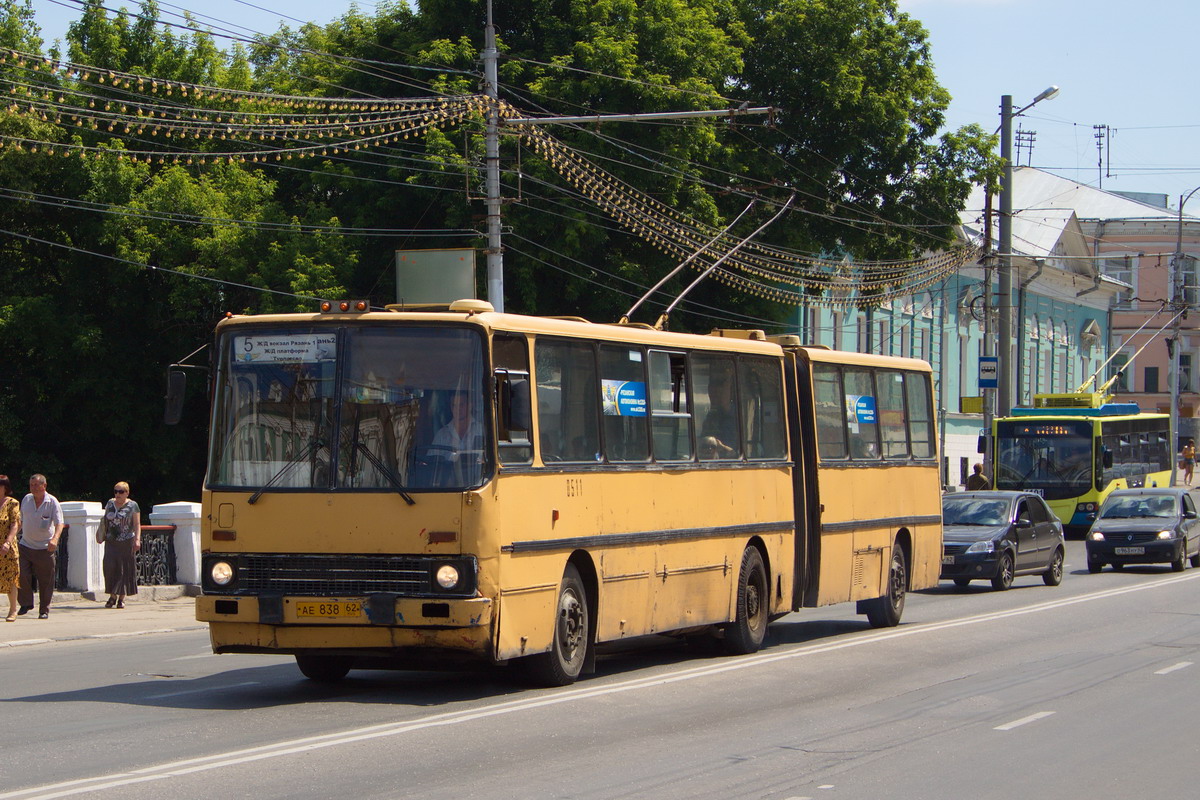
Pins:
x,y
1178,304
1004,301
495,247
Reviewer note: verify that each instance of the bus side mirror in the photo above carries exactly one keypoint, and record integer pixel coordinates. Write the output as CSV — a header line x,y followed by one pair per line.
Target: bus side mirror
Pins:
x,y
981,445
176,387
1106,458
520,416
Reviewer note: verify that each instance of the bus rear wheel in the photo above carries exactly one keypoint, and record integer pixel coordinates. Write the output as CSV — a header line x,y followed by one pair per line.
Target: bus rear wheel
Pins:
x,y
748,630
563,664
885,612
323,668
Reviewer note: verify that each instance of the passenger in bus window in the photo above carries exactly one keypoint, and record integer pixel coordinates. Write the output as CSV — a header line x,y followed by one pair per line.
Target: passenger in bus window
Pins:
x,y
719,434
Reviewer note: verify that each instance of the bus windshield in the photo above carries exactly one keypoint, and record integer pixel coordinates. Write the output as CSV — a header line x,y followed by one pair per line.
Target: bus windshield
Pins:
x,y
1053,457
385,408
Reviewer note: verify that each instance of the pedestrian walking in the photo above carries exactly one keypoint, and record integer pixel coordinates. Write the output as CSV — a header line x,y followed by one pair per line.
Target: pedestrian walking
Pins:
x,y
121,533
10,559
1189,460
41,527
978,481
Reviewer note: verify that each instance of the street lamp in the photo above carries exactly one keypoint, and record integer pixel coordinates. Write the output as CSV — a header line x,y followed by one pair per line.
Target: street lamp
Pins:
x,y
1004,301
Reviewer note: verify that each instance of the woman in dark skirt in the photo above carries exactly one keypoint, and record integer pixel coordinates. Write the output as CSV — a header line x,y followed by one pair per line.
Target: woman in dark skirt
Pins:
x,y
122,529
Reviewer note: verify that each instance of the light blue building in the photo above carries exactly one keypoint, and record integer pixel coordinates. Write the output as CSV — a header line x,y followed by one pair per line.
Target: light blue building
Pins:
x,y
1060,325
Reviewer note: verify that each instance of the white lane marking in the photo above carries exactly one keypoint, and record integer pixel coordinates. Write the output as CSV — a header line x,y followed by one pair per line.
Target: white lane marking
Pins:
x,y
569,695
198,691
1173,667
209,654
1024,721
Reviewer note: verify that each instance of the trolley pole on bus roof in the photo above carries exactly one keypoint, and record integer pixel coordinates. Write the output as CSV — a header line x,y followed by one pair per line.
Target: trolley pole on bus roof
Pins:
x,y
495,247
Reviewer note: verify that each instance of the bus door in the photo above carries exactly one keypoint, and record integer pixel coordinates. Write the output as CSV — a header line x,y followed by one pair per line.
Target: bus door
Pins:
x,y
805,497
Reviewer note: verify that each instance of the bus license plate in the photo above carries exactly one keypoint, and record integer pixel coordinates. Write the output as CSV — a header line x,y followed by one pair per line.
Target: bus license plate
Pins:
x,y
1129,551
330,609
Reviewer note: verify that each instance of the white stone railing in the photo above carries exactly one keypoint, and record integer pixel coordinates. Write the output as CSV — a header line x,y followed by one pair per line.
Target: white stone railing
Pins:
x,y
85,558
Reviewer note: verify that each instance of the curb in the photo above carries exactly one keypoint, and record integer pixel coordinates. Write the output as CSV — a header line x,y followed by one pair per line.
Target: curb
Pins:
x,y
82,636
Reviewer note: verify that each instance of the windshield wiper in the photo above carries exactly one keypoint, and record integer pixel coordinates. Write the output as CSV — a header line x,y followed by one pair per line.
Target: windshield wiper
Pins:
x,y
309,449
392,477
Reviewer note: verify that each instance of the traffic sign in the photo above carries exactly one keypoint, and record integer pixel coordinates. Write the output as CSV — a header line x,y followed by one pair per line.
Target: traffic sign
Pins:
x,y
989,372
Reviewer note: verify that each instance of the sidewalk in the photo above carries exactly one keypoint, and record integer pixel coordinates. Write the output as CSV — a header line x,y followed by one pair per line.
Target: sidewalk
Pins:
x,y
155,609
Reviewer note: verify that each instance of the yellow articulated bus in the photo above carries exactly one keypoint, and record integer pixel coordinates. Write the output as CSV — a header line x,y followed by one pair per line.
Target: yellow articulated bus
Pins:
x,y
396,488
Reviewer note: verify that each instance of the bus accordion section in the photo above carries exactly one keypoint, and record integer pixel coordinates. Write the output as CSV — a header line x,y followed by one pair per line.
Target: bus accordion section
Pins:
x,y
1075,449
868,492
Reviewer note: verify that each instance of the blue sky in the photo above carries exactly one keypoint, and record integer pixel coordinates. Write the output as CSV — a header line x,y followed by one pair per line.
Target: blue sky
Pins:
x,y
1127,66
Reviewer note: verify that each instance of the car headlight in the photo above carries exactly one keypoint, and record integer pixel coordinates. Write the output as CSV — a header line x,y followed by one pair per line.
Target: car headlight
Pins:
x,y
1096,536
1166,534
221,573
447,576
982,547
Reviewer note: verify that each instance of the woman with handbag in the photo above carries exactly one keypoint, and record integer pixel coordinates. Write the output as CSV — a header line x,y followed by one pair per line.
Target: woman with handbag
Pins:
x,y
10,559
121,532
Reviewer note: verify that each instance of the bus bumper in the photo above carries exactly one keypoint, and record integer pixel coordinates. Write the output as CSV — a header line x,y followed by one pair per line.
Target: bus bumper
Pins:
x,y
239,624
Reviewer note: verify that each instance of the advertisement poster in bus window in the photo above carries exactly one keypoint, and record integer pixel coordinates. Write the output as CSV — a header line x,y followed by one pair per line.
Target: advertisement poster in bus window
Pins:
x,y
624,398
285,348
860,409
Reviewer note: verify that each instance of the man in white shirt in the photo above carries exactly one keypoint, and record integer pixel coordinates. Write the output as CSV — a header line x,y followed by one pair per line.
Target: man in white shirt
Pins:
x,y
41,527
460,441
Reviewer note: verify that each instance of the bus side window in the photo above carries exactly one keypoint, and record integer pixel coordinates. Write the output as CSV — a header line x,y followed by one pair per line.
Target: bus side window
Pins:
x,y
623,383
670,406
891,414
829,410
510,359
862,411
920,414
763,423
716,407
568,401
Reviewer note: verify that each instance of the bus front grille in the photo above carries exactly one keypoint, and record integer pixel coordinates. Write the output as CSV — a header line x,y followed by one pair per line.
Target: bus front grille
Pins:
x,y
333,575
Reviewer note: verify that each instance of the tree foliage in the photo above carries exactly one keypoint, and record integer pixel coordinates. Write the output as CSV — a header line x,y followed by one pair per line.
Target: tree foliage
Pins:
x,y
115,269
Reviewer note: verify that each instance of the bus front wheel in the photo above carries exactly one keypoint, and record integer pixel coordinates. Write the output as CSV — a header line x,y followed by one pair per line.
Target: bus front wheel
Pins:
x,y
323,668
885,612
564,662
748,630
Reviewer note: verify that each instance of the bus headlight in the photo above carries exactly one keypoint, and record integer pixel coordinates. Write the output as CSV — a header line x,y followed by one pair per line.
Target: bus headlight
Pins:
x,y
221,573
447,576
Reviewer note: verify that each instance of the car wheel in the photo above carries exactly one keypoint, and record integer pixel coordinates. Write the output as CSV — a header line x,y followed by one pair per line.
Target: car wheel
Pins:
x,y
1095,566
962,583
1196,558
1053,576
1004,574
1180,563
1117,566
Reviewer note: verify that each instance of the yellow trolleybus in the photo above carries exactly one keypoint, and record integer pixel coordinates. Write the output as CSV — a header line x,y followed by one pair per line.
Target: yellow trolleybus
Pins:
x,y
397,488
1075,449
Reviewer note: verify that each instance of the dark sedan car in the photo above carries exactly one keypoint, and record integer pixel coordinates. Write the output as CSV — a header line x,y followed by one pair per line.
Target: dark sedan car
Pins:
x,y
999,535
1145,526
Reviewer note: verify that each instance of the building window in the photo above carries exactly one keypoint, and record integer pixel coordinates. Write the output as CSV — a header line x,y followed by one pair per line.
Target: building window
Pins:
x,y
1185,372
1150,384
1118,364
1124,269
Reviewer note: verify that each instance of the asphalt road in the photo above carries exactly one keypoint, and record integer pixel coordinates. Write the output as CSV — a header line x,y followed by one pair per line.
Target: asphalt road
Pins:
x,y
1083,690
